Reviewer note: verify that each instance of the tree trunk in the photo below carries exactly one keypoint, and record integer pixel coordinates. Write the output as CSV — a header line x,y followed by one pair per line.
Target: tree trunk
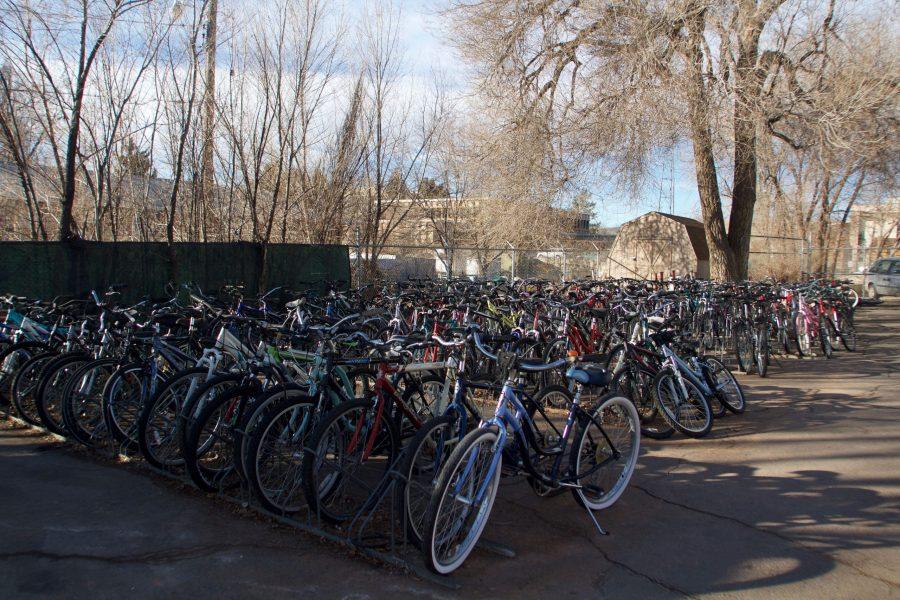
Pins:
x,y
721,257
68,197
821,264
743,201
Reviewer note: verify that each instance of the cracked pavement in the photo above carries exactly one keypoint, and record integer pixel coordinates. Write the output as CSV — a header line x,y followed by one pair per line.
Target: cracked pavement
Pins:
x,y
800,496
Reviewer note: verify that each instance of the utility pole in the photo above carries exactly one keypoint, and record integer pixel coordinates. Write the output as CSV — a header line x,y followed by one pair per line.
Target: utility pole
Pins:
x,y
207,173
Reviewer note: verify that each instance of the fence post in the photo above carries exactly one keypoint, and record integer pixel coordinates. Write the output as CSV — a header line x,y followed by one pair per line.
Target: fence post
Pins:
x,y
358,254
597,262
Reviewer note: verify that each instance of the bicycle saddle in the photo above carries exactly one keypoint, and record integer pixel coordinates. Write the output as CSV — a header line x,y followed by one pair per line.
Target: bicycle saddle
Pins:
x,y
589,374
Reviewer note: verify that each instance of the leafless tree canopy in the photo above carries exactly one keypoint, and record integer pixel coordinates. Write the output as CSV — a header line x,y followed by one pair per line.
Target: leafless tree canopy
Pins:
x,y
612,81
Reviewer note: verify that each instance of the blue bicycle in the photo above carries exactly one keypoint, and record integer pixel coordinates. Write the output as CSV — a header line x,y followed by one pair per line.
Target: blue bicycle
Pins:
x,y
592,452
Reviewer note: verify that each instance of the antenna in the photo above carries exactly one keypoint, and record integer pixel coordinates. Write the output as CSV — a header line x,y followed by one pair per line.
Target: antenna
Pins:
x,y
667,186
672,183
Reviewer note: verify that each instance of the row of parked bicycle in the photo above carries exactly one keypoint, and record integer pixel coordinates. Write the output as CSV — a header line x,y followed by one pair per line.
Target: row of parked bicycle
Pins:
x,y
426,392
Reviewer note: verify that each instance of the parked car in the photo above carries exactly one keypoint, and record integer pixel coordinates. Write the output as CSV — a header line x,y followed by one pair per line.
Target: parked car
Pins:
x,y
883,278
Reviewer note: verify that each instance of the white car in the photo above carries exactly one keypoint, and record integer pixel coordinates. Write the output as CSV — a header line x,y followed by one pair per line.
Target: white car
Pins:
x,y
883,278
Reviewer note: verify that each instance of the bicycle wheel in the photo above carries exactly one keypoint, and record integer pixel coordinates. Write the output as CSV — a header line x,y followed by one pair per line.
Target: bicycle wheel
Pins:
x,y
727,387
462,501
205,393
363,381
616,360
827,337
24,386
348,457
531,349
848,335
803,336
605,452
743,347
159,425
552,398
420,394
123,401
82,401
262,403
715,405
548,412
555,350
209,447
423,457
13,358
634,384
784,340
686,409
761,345
275,453
49,394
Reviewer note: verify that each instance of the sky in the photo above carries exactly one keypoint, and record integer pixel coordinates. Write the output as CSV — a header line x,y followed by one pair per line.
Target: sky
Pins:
x,y
426,49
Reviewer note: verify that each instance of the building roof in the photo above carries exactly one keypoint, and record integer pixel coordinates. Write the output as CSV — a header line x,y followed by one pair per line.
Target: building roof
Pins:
x,y
695,231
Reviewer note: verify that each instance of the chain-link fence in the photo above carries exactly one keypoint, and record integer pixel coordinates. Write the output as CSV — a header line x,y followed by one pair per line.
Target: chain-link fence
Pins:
x,y
781,257
787,258
401,262
845,262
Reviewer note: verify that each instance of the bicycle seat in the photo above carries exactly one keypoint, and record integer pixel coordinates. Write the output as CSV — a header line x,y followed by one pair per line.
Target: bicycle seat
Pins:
x,y
589,374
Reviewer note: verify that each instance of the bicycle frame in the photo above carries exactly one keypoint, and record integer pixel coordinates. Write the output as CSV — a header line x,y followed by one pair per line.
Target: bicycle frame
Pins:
x,y
682,369
511,413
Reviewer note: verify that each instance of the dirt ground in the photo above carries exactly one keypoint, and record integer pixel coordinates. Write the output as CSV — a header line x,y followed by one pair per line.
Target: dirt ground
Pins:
x,y
799,497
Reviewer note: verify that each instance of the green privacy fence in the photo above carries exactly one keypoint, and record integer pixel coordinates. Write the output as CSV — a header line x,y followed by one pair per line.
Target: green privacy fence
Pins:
x,y
47,269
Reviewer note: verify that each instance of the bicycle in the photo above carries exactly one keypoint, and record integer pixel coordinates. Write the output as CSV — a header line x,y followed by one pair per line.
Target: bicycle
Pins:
x,y
467,485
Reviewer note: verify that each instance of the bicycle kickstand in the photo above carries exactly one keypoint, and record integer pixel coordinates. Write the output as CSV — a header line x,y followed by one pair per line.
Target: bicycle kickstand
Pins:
x,y
596,523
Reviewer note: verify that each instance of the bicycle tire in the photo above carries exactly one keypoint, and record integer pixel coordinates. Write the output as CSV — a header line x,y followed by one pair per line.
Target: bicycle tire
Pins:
x,y
159,424
24,387
82,410
629,434
211,465
259,463
419,476
484,437
48,395
699,399
321,491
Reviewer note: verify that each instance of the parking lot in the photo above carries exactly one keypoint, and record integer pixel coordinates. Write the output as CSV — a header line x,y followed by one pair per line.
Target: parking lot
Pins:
x,y
799,497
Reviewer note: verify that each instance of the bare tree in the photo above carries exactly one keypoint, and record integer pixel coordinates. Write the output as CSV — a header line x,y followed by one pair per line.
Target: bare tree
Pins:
x,y
272,115
177,85
833,127
44,29
109,119
401,136
20,144
613,80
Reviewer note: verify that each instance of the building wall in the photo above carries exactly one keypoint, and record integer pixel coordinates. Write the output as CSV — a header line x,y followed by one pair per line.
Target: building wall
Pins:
x,y
650,244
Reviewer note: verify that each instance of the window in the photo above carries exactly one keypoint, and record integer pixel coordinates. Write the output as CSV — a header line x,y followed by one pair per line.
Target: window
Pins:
x,y
879,267
895,268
